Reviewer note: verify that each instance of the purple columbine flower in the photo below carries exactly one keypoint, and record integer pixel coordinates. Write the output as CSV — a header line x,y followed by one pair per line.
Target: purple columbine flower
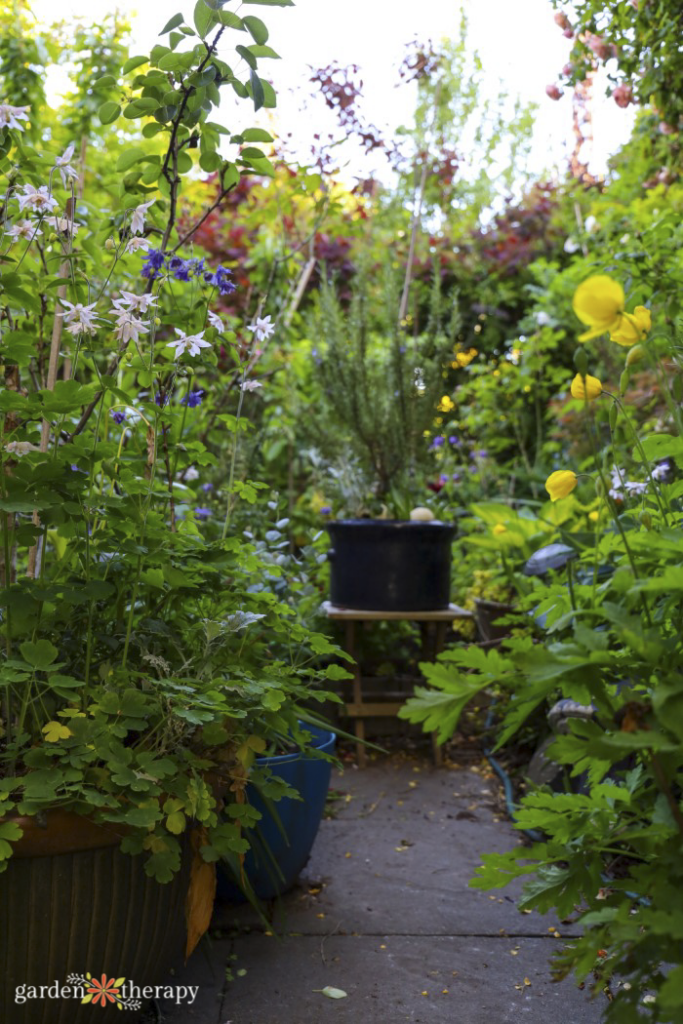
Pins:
x,y
193,399
455,478
443,478
196,266
480,453
203,512
118,416
154,260
437,442
325,510
179,268
160,400
207,487
453,439
222,281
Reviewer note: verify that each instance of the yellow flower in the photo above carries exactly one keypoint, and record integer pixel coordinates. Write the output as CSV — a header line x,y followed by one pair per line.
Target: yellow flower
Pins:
x,y
586,388
463,359
634,327
560,483
594,516
446,404
500,528
599,303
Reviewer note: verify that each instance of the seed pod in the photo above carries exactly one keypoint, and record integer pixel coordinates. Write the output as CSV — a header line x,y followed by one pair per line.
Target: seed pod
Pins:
x,y
635,355
623,381
613,416
109,244
581,361
646,520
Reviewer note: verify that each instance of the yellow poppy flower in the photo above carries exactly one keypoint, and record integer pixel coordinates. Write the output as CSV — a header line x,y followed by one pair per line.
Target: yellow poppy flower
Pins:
x,y
599,304
500,528
593,516
446,404
633,327
586,388
560,483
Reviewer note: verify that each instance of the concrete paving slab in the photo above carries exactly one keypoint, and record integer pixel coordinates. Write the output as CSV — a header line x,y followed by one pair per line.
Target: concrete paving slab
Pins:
x,y
391,979
384,911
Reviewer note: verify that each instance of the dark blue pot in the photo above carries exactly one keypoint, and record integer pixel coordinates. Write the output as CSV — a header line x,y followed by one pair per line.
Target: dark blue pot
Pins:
x,y
281,846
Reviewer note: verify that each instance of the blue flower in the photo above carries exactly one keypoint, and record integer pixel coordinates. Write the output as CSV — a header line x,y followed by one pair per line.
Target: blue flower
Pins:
x,y
443,478
196,266
480,453
207,487
193,399
161,402
117,416
325,510
454,440
179,268
154,258
222,282
203,512
437,442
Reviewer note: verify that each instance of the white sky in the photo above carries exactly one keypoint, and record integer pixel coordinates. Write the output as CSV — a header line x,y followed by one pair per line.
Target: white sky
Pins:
x,y
517,40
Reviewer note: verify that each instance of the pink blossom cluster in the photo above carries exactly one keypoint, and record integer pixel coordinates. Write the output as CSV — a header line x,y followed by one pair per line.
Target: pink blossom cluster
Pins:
x,y
602,49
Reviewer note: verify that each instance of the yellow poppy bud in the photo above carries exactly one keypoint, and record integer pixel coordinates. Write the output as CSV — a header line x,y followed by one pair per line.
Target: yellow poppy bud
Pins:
x,y
586,388
500,528
599,304
560,483
593,516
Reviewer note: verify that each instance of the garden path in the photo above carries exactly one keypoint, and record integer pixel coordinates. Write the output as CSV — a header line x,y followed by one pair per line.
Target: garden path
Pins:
x,y
383,911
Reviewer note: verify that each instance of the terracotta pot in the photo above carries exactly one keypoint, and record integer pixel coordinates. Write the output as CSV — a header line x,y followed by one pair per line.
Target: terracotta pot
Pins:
x,y
71,903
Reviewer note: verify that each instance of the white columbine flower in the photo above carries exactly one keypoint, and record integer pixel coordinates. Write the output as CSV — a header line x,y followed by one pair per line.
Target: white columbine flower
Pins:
x,y
571,246
251,385
262,328
129,326
38,199
635,488
20,448
63,165
24,229
215,321
192,343
80,318
9,115
137,223
138,302
542,318
661,471
137,243
191,473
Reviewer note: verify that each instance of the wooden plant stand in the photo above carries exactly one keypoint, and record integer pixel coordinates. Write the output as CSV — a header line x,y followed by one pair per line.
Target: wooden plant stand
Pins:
x,y
433,627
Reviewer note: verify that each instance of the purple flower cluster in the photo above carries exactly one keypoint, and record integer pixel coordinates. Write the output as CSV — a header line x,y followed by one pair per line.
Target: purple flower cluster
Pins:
x,y
118,416
156,261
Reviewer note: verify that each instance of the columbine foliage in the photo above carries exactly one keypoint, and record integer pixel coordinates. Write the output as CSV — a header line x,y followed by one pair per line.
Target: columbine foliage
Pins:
x,y
146,657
